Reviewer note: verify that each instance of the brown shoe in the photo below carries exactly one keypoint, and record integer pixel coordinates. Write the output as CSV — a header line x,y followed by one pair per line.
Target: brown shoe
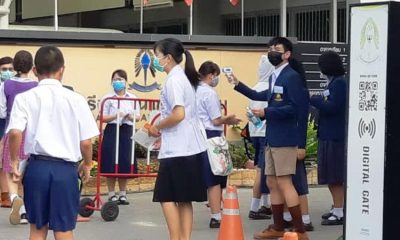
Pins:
x,y
5,203
269,233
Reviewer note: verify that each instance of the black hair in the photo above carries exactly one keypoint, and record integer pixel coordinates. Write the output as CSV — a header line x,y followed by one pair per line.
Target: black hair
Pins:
x,y
175,48
48,59
331,64
122,73
23,62
207,68
286,43
6,60
299,68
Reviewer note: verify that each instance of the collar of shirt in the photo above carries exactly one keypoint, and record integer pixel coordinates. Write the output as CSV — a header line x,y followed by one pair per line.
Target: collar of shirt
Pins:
x,y
18,79
278,70
177,68
49,81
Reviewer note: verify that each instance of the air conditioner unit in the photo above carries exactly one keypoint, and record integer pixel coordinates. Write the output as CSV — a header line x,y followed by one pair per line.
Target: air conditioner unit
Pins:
x,y
153,4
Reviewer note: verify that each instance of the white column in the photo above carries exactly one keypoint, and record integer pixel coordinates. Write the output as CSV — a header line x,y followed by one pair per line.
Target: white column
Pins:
x,y
334,22
4,14
141,16
283,17
191,20
242,29
55,15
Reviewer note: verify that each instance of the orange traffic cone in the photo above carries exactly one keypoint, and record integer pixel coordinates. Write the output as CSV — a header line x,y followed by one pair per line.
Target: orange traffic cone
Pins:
x,y
290,236
231,224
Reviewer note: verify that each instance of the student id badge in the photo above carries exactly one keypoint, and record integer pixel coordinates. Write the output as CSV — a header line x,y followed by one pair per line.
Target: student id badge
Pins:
x,y
326,94
278,90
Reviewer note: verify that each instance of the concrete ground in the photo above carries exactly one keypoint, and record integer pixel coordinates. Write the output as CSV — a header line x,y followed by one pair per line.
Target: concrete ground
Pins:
x,y
143,220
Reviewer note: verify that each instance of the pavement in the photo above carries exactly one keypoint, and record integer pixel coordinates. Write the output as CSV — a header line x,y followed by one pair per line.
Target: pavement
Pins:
x,y
143,220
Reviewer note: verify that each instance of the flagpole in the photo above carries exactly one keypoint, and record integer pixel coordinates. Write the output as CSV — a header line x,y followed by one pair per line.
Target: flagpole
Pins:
x,y
242,17
141,16
191,20
55,15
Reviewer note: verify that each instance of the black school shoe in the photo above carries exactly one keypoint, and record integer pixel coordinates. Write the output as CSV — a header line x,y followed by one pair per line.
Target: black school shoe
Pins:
x,y
265,210
214,223
258,215
123,200
332,220
307,226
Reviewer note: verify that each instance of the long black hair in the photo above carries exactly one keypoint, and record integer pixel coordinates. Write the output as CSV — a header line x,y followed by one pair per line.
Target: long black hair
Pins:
x,y
175,48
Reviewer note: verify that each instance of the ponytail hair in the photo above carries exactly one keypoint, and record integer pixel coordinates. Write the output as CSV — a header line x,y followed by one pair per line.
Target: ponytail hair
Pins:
x,y
175,48
190,70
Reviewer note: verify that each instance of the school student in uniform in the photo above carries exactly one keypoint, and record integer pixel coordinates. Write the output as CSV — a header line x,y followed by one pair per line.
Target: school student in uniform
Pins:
x,y
331,133
58,127
23,62
180,179
283,96
260,206
209,112
128,111
6,72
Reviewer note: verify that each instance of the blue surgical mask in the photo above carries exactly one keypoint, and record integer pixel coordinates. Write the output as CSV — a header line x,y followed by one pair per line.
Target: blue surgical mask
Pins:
x,y
5,75
215,82
157,65
118,85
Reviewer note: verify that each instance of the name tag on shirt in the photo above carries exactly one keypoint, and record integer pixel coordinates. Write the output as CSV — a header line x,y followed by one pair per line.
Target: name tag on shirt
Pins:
x,y
278,89
326,93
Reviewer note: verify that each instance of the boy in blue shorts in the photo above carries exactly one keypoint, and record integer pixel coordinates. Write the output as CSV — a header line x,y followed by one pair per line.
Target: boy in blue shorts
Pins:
x,y
58,126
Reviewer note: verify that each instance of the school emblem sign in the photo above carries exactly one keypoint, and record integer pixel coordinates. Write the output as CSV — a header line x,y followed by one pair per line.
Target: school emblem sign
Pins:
x,y
144,60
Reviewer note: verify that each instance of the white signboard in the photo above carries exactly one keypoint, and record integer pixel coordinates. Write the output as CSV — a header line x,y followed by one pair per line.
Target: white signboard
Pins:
x,y
366,132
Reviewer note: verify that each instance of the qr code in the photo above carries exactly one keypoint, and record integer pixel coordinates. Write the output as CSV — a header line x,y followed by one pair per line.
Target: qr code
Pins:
x,y
368,96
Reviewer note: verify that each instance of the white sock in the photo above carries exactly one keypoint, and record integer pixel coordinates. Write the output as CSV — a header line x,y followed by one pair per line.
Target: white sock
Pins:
x,y
306,219
287,216
22,210
338,212
122,193
13,196
255,204
265,200
110,194
216,216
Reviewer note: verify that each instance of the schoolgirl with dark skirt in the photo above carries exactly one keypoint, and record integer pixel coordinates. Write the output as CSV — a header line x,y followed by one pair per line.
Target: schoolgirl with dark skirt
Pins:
x,y
121,118
331,132
180,179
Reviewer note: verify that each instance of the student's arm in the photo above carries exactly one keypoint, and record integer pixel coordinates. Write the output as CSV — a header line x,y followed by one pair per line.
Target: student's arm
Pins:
x,y
294,92
15,140
336,100
250,93
213,107
3,102
107,116
86,165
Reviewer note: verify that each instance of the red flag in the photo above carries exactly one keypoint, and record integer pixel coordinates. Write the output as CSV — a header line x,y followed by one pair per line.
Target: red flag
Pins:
x,y
145,2
234,2
188,2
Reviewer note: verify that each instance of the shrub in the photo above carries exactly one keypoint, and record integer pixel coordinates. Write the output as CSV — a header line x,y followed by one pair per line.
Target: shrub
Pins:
x,y
238,154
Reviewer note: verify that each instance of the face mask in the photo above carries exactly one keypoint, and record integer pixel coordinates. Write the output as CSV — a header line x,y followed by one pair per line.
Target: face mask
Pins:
x,y
215,82
118,85
5,75
275,58
157,65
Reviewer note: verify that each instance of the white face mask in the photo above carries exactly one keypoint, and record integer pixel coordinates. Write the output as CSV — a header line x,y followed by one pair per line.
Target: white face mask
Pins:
x,y
214,82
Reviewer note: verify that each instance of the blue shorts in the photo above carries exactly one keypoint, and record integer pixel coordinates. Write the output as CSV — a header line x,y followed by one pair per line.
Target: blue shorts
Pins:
x,y
2,127
259,145
300,179
51,193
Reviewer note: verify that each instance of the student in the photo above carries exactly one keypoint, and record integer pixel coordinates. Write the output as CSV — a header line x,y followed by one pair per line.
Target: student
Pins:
x,y
126,112
180,179
6,72
209,112
23,63
58,127
331,132
283,96
260,207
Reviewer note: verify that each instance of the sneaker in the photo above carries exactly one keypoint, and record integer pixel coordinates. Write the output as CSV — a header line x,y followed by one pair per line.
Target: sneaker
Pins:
x,y
332,220
24,219
113,199
123,200
265,210
269,233
5,203
214,223
15,218
258,215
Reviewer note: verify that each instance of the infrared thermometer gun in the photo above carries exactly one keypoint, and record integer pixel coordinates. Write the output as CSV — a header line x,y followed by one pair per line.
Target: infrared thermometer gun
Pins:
x,y
228,71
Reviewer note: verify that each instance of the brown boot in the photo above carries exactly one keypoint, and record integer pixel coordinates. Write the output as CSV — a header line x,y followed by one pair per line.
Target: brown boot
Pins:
x,y
269,233
5,200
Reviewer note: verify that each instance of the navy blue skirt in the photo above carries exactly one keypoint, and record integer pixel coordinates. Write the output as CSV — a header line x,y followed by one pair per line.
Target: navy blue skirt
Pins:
x,y
209,178
109,147
259,160
330,162
300,179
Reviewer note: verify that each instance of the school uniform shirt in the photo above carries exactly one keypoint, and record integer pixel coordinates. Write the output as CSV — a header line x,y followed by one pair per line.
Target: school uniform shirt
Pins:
x,y
127,106
55,120
208,106
183,139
